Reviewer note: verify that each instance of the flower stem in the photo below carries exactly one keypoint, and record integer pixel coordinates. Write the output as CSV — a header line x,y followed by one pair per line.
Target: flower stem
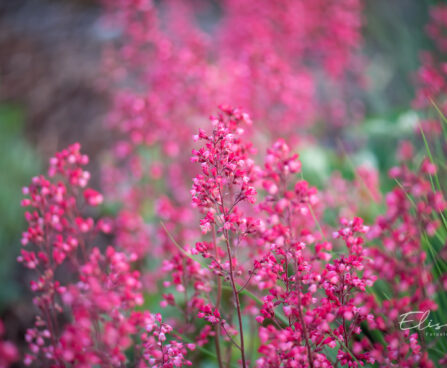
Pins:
x,y
218,298
236,298
303,324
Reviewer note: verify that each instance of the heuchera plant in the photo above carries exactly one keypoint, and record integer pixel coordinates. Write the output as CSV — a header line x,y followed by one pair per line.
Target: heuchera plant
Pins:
x,y
228,254
309,297
85,297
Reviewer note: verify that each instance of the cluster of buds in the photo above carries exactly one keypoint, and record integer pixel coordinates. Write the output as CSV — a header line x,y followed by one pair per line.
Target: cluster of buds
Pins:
x,y
158,350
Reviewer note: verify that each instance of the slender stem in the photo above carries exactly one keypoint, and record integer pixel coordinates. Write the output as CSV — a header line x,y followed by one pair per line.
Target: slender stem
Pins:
x,y
218,298
229,350
251,347
241,288
230,337
306,335
236,298
185,293
298,286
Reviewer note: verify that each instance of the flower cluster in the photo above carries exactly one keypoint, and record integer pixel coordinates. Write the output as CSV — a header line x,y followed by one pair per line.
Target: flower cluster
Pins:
x,y
100,301
227,179
311,299
321,310
321,303
224,164
158,351
96,291
303,289
412,217
54,216
175,73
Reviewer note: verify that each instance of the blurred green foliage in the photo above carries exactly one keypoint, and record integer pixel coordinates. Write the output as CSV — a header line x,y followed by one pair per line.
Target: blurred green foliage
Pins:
x,y
394,38
18,163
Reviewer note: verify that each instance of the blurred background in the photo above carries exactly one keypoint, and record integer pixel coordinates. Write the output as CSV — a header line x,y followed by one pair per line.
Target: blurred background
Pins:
x,y
51,96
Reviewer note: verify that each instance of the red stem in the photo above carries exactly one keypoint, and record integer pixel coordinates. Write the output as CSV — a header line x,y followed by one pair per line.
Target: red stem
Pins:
x,y
219,294
236,298
305,332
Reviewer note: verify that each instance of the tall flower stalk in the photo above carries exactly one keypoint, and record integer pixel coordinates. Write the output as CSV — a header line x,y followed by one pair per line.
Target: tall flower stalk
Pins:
x,y
225,182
